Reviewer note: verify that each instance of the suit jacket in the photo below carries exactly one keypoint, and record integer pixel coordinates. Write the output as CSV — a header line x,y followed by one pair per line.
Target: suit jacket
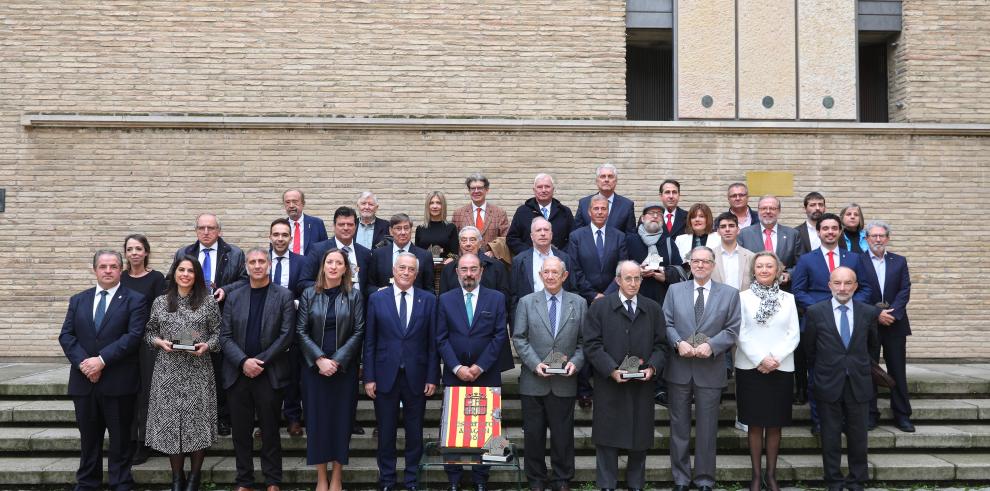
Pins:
x,y
480,343
117,341
809,282
804,240
388,346
495,276
312,265
534,340
596,275
832,362
311,323
621,214
561,222
496,222
297,266
380,268
745,266
381,234
230,272
751,238
278,324
720,322
680,222
315,231
896,290
521,276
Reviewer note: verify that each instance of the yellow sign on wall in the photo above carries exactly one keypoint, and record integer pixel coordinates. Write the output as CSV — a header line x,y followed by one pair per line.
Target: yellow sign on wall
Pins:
x,y
776,183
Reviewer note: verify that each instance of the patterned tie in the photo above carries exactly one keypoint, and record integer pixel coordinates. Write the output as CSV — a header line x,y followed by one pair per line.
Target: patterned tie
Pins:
x,y
478,222
402,312
844,331
469,308
101,309
831,261
670,221
546,212
206,268
767,242
699,306
553,315
600,246
278,271
296,238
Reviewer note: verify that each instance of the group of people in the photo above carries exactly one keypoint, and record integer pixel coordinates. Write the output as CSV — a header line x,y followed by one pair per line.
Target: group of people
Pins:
x,y
664,305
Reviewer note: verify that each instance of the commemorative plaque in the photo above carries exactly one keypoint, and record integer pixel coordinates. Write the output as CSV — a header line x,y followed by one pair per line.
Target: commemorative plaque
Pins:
x,y
185,340
633,368
496,450
653,262
437,253
556,363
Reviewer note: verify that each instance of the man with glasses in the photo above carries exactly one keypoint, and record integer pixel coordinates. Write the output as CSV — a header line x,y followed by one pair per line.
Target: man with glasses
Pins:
x,y
739,205
703,320
491,220
768,235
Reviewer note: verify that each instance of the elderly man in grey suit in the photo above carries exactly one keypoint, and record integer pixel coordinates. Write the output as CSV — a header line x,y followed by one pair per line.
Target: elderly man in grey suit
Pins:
x,y
702,324
549,321
768,235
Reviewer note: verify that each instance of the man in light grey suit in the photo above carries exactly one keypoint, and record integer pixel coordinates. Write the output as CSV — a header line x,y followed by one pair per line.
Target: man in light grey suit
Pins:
x,y
702,325
783,239
549,321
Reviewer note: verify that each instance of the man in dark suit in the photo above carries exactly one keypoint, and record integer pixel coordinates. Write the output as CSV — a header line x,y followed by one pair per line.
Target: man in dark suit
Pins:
x,y
674,217
286,270
807,231
223,269
372,231
596,250
383,258
345,221
739,205
621,210
100,336
703,319
470,337
255,333
401,366
839,335
549,321
526,266
620,325
306,230
810,285
541,204
769,235
890,286
495,276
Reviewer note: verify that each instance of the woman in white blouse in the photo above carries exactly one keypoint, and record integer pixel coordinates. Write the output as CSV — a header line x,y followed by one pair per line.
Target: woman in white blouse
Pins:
x,y
698,231
768,336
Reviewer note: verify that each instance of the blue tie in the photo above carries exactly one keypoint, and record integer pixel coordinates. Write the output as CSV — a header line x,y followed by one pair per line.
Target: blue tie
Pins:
x,y
402,312
470,308
206,268
553,315
600,245
278,270
546,213
844,330
101,309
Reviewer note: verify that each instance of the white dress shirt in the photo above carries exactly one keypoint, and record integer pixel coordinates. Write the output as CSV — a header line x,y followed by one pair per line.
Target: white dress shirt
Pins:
x,y
707,290
838,316
730,263
813,239
284,279
560,303
538,259
880,264
351,258
302,232
474,212
409,302
625,299
110,293
836,257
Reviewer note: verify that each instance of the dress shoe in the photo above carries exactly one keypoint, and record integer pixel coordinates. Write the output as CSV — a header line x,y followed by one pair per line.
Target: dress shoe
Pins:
x,y
681,487
357,430
454,487
140,455
178,482
193,483
374,432
816,429
387,488
295,428
273,488
223,428
904,425
584,402
564,486
608,489
871,424
661,398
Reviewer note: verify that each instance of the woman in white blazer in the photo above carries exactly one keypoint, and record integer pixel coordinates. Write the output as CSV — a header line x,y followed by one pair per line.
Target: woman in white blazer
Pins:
x,y
768,336
698,231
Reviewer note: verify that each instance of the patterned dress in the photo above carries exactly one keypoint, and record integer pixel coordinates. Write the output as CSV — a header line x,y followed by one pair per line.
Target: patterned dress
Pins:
x,y
182,409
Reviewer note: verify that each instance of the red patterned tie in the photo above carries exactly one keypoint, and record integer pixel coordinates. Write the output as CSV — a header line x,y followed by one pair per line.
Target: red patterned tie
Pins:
x,y
295,239
670,222
767,242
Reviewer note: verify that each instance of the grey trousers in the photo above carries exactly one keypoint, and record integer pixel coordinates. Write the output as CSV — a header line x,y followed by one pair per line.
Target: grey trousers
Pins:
x,y
706,414
607,468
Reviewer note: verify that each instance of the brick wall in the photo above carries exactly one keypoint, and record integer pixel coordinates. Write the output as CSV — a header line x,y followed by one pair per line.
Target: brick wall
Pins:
x,y
72,191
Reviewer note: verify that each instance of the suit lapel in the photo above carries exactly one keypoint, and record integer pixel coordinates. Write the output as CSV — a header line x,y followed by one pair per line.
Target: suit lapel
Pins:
x,y
544,311
527,261
783,242
118,299
88,300
888,275
417,309
268,315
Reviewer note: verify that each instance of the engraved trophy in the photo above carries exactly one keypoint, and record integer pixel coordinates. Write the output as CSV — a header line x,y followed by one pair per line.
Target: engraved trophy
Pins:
x,y
653,262
496,450
185,339
633,368
697,339
556,363
437,252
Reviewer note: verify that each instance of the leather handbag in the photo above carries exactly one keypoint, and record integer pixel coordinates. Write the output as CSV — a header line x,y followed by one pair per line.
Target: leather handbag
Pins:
x,y
880,376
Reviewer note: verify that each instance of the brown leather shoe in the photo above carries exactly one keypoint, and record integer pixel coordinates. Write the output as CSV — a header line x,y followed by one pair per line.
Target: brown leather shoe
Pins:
x,y
295,429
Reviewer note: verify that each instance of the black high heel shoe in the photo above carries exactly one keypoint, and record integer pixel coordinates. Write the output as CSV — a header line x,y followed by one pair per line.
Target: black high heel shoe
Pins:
x,y
193,484
179,481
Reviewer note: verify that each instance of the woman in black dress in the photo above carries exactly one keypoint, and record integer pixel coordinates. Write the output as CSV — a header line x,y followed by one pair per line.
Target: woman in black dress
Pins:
x,y
436,230
330,329
142,279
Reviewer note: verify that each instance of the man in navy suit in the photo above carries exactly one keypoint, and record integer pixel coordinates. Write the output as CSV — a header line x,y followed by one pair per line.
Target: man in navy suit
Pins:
x,y
100,336
526,266
306,230
621,210
401,366
470,336
890,283
286,269
674,217
345,221
372,231
383,258
596,250
839,335
810,284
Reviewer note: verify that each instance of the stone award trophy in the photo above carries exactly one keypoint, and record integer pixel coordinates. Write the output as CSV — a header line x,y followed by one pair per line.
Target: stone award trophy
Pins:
x,y
631,365
697,339
436,251
556,363
185,340
496,450
653,262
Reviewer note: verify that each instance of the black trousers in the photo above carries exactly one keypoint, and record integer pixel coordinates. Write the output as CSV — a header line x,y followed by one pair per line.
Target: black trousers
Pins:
x,y
248,397
292,400
847,415
96,414
895,356
557,414
223,413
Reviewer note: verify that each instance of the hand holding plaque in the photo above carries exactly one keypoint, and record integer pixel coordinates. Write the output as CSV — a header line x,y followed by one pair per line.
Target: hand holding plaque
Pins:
x,y
653,262
556,363
632,367
185,339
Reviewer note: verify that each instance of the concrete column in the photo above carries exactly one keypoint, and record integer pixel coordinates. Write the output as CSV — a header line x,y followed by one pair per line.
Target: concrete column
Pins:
x,y
767,62
706,59
826,40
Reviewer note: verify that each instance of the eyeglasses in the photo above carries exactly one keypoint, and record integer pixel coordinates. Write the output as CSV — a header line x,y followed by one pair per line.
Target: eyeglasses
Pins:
x,y
473,269
701,262
877,236
631,279
769,208
477,188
